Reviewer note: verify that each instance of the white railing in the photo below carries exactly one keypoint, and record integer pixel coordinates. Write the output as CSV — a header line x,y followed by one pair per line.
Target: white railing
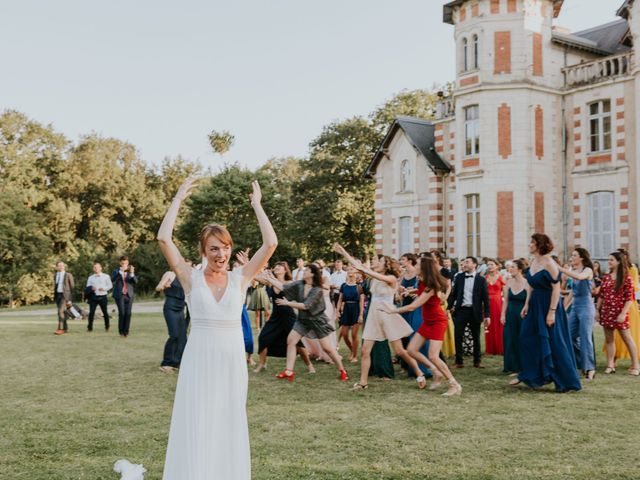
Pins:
x,y
607,68
446,107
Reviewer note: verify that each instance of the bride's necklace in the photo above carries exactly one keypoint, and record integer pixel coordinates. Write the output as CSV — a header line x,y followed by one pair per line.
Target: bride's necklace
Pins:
x,y
218,288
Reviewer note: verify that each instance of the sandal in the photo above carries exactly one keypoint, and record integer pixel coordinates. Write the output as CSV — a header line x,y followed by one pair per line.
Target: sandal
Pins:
x,y
609,370
590,375
515,382
422,382
436,382
359,386
634,372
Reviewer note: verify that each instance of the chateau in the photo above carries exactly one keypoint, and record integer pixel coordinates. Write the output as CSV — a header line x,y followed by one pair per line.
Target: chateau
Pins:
x,y
540,134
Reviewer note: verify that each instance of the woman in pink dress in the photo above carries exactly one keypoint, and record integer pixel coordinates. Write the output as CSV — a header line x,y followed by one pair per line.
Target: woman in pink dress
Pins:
x,y
493,334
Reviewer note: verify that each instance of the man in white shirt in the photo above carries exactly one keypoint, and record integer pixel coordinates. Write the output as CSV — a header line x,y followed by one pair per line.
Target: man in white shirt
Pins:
x,y
100,284
338,277
298,272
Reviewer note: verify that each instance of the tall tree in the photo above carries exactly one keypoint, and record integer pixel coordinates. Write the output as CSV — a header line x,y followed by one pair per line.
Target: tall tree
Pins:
x,y
24,249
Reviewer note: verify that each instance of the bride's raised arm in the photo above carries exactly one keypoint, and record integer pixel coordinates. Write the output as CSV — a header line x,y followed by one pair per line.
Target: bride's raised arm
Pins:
x,y
269,238
165,235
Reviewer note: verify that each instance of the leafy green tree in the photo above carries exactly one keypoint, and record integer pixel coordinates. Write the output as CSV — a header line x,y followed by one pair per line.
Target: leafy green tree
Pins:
x,y
224,199
24,248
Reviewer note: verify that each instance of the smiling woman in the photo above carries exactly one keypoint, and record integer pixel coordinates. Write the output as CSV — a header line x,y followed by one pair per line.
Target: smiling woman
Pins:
x,y
209,435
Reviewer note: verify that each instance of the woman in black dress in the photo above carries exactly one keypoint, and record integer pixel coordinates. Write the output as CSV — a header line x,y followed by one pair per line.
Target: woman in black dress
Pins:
x,y
272,341
174,316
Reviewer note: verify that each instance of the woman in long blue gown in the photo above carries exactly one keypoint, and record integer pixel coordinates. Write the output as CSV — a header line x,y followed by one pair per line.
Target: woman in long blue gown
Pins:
x,y
546,351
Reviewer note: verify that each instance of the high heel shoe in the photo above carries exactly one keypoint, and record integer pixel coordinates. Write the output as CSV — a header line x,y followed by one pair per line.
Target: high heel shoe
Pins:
x,y
260,367
343,376
286,374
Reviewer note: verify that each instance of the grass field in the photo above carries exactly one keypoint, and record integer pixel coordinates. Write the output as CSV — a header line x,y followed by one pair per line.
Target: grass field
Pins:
x,y
72,405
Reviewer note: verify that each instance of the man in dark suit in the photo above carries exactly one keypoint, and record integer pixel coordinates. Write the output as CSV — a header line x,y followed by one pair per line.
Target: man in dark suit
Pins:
x,y
62,293
123,279
469,302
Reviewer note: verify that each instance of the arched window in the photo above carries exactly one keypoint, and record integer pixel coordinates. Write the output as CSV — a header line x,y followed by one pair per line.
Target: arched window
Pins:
x,y
404,175
465,55
476,52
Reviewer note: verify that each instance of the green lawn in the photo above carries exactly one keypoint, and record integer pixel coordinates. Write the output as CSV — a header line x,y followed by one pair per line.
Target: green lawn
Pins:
x,y
72,405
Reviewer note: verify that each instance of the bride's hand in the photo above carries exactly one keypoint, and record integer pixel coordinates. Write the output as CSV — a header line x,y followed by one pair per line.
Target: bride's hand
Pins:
x,y
186,189
256,195
338,248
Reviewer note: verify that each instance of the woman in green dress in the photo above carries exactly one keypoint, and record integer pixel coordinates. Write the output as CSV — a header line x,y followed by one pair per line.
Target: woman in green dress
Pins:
x,y
515,297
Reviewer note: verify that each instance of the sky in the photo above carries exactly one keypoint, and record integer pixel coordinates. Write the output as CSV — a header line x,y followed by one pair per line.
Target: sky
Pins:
x,y
163,74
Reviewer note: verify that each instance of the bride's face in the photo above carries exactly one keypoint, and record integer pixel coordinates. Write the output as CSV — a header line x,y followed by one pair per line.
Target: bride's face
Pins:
x,y
217,254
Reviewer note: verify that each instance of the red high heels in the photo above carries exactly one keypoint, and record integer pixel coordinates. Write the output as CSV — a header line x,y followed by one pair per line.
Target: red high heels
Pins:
x,y
343,376
283,375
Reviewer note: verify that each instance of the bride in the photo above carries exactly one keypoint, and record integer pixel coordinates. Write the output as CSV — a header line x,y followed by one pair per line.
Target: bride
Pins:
x,y
209,436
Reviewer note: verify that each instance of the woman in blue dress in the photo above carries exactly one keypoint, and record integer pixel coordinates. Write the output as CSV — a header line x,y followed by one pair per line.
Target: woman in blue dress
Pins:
x,y
546,352
515,295
351,311
581,318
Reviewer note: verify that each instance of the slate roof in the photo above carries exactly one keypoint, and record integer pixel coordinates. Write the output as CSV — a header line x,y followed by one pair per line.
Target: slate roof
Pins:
x,y
421,134
447,9
607,39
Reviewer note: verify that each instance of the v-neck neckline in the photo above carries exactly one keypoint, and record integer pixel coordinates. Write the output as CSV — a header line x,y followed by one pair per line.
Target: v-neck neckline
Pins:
x,y
204,278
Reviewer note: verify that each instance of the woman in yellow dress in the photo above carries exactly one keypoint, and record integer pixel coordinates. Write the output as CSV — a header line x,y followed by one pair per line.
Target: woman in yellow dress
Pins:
x,y
634,313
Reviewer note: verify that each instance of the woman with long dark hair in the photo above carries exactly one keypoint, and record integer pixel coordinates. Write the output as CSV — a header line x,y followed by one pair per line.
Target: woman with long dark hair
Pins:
x,y
272,341
306,296
546,353
515,296
582,313
612,311
380,325
434,324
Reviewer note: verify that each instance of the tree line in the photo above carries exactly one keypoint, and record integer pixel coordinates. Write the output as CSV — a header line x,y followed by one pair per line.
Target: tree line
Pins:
x,y
96,199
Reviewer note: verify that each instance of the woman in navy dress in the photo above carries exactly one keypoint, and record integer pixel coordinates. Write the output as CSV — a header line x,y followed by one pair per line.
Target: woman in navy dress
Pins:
x,y
174,316
546,352
351,310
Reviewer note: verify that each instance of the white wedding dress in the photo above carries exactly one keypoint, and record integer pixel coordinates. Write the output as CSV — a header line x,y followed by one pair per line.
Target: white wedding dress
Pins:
x,y
209,435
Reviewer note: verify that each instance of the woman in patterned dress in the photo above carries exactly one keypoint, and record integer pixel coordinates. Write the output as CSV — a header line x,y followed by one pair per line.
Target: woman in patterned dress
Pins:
x,y
612,311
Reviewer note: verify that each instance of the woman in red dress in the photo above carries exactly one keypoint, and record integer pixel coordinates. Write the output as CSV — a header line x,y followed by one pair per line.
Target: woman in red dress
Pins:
x,y
493,334
612,311
434,324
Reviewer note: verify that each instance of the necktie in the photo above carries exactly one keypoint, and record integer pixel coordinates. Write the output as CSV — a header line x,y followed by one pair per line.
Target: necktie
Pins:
x,y
125,290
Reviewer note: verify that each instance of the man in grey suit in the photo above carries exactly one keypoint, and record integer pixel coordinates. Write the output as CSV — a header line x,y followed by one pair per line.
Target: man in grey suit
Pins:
x,y
62,293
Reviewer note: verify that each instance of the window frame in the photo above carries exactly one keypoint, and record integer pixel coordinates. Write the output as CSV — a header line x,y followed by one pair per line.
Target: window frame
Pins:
x,y
471,126
401,234
601,240
405,176
475,43
465,54
472,217
602,136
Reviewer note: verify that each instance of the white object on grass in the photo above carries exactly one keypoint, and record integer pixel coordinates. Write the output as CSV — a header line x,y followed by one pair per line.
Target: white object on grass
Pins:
x,y
129,471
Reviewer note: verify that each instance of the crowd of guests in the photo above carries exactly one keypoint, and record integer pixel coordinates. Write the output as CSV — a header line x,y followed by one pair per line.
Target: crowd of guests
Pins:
x,y
538,314
121,284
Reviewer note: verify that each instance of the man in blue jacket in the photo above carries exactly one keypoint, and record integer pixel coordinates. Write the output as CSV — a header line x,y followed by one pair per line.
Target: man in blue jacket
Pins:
x,y
124,280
